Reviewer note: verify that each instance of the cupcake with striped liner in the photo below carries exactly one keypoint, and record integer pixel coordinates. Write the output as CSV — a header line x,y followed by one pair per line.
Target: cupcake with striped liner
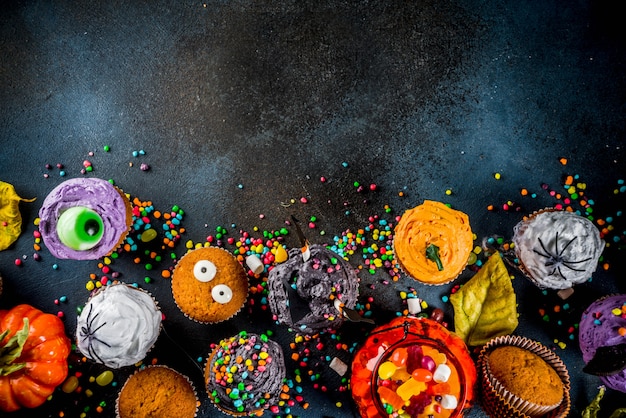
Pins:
x,y
209,285
118,325
157,392
244,374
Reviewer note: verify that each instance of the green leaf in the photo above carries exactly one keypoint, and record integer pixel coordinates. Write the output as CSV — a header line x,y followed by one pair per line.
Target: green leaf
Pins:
x,y
432,253
12,350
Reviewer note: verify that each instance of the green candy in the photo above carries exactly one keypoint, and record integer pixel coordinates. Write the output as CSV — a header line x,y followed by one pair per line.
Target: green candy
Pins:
x,y
80,228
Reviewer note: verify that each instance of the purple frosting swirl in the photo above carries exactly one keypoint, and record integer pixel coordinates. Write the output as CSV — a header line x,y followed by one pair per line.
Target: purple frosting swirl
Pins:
x,y
599,328
96,194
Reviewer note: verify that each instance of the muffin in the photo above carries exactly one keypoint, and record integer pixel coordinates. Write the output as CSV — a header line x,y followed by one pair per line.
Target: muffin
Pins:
x,y
84,219
209,285
413,367
244,374
118,325
432,243
157,392
603,324
308,295
522,378
557,249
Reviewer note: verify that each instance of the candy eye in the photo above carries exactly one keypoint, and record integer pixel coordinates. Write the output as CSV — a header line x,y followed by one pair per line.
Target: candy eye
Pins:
x,y
222,293
204,271
80,228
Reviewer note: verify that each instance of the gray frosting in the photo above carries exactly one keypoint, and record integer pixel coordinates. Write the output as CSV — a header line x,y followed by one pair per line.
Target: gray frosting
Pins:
x,y
302,294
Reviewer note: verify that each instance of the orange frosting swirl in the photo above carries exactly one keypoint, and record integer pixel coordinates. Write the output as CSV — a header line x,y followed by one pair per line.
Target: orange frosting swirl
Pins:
x,y
433,223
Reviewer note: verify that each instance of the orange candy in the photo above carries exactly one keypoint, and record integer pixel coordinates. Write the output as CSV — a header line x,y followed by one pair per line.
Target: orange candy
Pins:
x,y
399,356
390,397
422,375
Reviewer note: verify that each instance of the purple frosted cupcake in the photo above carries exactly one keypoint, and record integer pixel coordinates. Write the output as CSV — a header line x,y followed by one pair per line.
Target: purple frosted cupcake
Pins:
x,y
602,340
84,219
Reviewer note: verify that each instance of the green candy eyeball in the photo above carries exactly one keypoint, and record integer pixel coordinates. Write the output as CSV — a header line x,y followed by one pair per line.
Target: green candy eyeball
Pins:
x,y
80,228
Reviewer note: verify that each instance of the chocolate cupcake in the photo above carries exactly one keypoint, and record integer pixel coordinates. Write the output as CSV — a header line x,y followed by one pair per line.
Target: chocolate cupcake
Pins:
x,y
244,374
308,295
84,219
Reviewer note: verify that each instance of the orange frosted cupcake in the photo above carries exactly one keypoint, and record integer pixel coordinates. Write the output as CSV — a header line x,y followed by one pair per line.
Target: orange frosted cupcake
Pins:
x,y
432,242
209,285
157,391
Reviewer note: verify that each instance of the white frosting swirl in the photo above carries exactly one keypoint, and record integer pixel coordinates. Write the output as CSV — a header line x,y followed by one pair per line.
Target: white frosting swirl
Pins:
x,y
558,249
118,326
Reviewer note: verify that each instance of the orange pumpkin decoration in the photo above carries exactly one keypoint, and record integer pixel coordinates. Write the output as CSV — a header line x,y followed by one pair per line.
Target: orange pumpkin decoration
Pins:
x,y
33,356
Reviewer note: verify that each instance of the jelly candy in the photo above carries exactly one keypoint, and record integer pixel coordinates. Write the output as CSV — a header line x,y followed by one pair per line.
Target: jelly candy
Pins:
x,y
410,388
422,375
399,356
414,356
386,370
390,397
428,363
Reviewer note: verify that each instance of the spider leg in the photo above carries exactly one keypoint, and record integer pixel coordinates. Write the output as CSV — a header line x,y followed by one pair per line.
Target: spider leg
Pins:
x,y
566,245
565,263
546,253
92,352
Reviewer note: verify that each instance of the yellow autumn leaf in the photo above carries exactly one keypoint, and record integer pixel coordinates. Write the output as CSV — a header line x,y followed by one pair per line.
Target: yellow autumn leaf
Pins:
x,y
485,307
10,217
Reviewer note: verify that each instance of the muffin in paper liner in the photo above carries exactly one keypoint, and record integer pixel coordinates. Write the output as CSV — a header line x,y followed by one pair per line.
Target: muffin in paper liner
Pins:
x,y
248,346
141,393
498,402
553,264
85,219
118,325
432,243
209,285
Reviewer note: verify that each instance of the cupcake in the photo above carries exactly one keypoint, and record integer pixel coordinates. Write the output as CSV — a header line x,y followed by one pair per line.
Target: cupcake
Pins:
x,y
244,374
602,340
413,367
157,392
209,285
308,295
84,219
557,249
522,378
118,325
432,243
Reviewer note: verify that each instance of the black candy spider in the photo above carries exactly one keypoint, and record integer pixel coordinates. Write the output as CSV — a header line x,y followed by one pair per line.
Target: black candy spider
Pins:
x,y
556,260
90,334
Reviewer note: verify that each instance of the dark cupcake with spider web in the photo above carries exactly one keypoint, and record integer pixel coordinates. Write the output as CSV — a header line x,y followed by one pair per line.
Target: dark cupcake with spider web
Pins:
x,y
118,325
557,249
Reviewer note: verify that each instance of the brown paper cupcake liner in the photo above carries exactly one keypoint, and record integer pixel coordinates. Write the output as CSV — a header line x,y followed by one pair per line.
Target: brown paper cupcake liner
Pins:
x,y
191,385
188,316
129,221
500,403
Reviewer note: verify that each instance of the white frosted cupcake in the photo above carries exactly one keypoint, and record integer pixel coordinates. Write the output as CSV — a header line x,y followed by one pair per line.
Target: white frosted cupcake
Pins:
x,y
557,249
118,325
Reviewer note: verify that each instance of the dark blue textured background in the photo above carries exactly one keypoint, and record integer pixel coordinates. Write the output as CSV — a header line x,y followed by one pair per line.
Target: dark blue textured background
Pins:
x,y
416,96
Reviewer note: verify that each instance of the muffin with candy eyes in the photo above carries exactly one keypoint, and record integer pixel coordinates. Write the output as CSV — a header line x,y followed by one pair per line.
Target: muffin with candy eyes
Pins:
x,y
209,285
84,219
